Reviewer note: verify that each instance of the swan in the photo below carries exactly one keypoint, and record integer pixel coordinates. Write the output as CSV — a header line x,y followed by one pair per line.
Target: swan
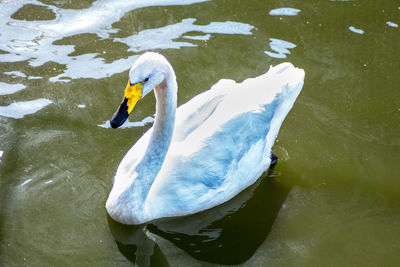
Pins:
x,y
203,153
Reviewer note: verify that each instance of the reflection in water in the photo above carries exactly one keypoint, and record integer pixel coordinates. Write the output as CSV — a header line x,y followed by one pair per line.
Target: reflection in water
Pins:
x,y
101,15
34,78
164,37
343,137
8,89
135,245
157,38
18,110
15,73
129,124
286,11
354,29
35,41
216,235
280,47
96,19
199,37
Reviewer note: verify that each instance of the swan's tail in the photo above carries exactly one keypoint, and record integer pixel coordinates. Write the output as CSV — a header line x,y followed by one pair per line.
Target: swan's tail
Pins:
x,y
290,80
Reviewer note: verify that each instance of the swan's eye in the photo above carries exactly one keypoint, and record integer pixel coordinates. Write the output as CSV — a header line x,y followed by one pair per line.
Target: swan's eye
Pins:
x,y
145,80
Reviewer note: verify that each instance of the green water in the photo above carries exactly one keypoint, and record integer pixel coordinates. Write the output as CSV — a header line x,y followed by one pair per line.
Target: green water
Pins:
x,y
333,199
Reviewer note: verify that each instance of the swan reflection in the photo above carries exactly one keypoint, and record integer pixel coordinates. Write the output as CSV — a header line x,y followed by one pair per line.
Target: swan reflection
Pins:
x,y
228,234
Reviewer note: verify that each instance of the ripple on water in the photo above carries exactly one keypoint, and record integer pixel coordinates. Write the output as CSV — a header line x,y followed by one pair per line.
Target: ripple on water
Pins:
x,y
158,38
26,182
18,110
35,42
165,37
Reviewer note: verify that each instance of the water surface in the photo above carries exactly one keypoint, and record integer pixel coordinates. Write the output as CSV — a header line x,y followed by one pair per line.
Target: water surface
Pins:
x,y
333,198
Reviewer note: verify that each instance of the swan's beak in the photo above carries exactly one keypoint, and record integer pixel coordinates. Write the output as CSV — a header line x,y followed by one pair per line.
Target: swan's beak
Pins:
x,y
132,95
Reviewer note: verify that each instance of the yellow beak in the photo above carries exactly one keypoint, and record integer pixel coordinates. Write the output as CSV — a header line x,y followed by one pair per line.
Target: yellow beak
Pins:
x,y
133,93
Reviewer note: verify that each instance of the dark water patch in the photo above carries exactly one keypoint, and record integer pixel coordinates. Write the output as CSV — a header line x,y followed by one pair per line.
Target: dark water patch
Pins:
x,y
31,12
68,4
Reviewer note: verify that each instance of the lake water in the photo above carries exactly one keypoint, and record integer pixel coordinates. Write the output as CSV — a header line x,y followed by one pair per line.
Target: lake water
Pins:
x,y
332,200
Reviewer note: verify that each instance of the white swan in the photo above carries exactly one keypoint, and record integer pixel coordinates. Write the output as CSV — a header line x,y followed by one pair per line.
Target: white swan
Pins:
x,y
206,151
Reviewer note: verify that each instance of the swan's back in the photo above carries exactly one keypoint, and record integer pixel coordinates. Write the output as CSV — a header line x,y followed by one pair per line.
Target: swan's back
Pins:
x,y
222,142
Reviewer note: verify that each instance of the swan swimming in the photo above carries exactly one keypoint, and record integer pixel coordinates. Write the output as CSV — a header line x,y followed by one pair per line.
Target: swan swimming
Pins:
x,y
203,153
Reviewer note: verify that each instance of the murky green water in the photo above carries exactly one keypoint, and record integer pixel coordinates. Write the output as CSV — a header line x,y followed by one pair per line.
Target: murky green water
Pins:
x,y
334,197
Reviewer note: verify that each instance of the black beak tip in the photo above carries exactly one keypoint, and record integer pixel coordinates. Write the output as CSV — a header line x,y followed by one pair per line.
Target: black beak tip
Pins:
x,y
113,124
119,118
121,115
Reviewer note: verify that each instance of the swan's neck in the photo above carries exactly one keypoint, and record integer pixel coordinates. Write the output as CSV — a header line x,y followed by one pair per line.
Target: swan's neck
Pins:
x,y
152,160
131,187
163,127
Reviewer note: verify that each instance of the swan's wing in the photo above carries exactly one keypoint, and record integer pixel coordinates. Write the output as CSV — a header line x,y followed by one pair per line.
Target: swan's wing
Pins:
x,y
193,113
226,149
200,175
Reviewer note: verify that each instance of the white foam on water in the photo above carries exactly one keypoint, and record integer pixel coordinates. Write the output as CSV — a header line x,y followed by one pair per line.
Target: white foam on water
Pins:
x,y
280,48
285,11
355,30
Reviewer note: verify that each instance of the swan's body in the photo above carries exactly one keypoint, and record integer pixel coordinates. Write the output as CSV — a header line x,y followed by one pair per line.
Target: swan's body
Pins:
x,y
206,151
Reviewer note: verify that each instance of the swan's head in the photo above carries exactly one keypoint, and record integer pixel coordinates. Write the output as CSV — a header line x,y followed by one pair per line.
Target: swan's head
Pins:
x,y
148,71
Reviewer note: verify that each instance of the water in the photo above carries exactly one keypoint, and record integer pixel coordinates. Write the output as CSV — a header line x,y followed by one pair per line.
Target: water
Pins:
x,y
333,198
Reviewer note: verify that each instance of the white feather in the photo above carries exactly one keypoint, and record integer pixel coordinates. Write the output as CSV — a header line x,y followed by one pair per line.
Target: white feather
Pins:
x,y
216,145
